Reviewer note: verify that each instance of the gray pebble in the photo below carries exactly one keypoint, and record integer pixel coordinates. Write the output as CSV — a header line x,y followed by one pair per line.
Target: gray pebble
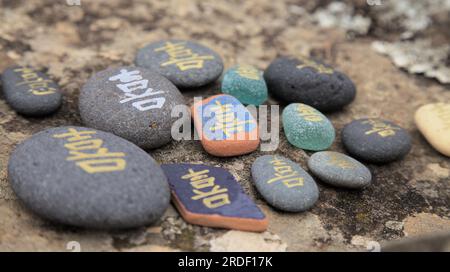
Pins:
x,y
284,184
88,178
376,140
30,92
185,63
339,170
131,102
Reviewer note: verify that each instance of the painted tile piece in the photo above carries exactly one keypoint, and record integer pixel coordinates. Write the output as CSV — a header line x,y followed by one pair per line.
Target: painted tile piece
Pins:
x,y
210,196
225,126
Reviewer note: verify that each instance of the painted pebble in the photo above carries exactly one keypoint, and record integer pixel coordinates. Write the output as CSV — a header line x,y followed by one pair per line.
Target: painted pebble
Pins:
x,y
88,178
284,184
307,128
210,196
376,140
225,126
30,92
433,121
131,102
339,170
186,63
310,82
246,83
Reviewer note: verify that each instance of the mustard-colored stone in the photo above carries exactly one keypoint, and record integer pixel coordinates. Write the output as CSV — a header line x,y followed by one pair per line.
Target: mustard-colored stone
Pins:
x,y
433,120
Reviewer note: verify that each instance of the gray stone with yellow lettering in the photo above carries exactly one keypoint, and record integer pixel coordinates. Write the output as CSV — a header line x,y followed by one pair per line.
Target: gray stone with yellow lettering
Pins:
x,y
30,92
88,178
339,170
133,103
186,64
284,184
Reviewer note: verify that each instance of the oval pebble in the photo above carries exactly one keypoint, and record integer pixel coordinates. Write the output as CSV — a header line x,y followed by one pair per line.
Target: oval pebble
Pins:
x,y
307,128
376,140
284,184
339,170
88,178
226,127
186,63
246,83
211,196
433,121
309,81
131,102
30,92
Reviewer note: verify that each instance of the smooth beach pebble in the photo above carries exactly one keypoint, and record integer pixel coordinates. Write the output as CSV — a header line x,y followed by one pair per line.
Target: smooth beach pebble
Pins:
x,y
225,126
210,196
376,140
88,178
246,84
307,128
133,103
433,121
310,82
186,64
30,92
284,184
339,170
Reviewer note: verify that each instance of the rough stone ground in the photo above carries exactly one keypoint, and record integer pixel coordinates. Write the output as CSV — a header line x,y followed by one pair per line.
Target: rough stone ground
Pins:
x,y
409,198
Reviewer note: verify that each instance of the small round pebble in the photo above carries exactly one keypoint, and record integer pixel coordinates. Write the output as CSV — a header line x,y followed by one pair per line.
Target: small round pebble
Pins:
x,y
433,121
309,81
284,184
186,64
376,140
307,128
131,102
339,170
88,178
30,92
246,83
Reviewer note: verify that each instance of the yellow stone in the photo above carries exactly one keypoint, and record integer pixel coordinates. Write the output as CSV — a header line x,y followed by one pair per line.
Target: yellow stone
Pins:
x,y
433,120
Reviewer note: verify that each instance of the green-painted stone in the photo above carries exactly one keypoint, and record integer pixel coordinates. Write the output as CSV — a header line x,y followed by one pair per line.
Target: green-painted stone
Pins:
x,y
307,128
246,84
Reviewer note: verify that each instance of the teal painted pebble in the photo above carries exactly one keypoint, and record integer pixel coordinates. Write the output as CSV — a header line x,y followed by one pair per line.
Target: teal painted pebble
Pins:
x,y
307,128
246,83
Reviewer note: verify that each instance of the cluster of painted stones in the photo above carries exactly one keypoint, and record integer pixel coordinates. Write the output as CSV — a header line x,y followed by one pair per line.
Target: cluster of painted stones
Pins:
x,y
99,177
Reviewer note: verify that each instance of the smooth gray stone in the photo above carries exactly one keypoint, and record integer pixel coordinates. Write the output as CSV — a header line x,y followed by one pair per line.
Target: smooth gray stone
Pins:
x,y
106,195
339,170
284,184
186,64
105,103
376,140
30,92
